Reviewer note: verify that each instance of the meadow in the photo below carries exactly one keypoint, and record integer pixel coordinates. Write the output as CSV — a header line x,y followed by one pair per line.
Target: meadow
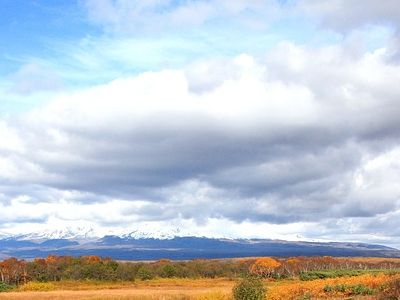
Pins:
x,y
297,278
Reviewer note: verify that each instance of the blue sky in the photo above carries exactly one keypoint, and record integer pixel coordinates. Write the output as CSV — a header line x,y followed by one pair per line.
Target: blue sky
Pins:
x,y
257,118
63,38
29,28
80,48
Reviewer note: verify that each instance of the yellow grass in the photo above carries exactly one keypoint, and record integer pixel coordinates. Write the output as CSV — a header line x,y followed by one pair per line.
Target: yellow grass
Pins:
x,y
38,286
117,295
157,289
159,283
375,260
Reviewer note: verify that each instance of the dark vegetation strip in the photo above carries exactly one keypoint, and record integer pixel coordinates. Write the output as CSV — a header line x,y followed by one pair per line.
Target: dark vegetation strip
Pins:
x,y
322,274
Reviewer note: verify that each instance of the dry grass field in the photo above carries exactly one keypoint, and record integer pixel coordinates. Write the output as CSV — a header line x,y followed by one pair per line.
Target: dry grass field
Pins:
x,y
193,289
121,294
160,289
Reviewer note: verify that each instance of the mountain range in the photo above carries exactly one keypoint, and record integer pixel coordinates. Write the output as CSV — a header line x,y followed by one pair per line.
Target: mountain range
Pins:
x,y
137,245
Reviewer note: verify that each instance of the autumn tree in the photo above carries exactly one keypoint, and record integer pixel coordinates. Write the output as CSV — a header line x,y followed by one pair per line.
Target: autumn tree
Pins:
x,y
13,271
264,267
292,266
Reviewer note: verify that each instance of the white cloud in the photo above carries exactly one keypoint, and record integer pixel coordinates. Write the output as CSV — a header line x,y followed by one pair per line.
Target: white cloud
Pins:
x,y
304,136
31,78
351,14
122,16
10,140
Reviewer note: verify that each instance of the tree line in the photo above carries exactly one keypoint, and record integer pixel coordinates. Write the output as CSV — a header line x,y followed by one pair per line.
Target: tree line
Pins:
x,y
56,268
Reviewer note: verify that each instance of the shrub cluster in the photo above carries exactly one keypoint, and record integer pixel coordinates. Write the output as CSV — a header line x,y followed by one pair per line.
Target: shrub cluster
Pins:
x,y
249,288
358,289
5,287
312,275
391,291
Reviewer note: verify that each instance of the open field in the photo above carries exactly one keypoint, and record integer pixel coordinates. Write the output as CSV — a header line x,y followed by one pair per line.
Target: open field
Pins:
x,y
152,294
366,286
202,289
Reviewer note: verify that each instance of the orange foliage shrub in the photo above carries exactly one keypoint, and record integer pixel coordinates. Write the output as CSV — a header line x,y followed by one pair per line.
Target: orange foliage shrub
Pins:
x,y
264,266
39,261
315,288
92,259
51,259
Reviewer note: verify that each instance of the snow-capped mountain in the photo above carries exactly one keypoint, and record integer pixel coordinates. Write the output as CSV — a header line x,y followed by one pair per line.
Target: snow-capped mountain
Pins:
x,y
149,243
64,233
158,234
46,235
131,247
86,233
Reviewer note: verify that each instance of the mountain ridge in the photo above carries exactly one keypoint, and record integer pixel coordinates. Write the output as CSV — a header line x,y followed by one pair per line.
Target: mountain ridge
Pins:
x,y
131,247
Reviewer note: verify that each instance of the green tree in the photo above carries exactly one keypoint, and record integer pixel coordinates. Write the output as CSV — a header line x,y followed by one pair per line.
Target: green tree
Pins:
x,y
249,288
125,271
144,273
168,271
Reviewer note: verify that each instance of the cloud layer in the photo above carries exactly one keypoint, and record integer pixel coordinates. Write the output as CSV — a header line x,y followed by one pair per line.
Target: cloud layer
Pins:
x,y
279,140
300,141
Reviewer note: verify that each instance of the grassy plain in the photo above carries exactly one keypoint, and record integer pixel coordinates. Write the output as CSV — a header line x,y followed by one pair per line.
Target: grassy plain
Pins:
x,y
157,289
345,287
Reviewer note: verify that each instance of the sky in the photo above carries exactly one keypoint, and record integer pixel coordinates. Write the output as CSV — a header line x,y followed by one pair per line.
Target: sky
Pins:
x,y
218,118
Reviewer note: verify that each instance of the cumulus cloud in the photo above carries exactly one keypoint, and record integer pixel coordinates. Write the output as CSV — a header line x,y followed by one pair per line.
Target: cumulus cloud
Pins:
x,y
301,136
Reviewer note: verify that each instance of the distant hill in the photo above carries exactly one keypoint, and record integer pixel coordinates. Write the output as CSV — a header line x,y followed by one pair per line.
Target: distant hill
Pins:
x,y
181,248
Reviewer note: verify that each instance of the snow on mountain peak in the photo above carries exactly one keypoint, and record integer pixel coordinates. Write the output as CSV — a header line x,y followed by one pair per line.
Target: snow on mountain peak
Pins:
x,y
89,232
62,233
156,234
